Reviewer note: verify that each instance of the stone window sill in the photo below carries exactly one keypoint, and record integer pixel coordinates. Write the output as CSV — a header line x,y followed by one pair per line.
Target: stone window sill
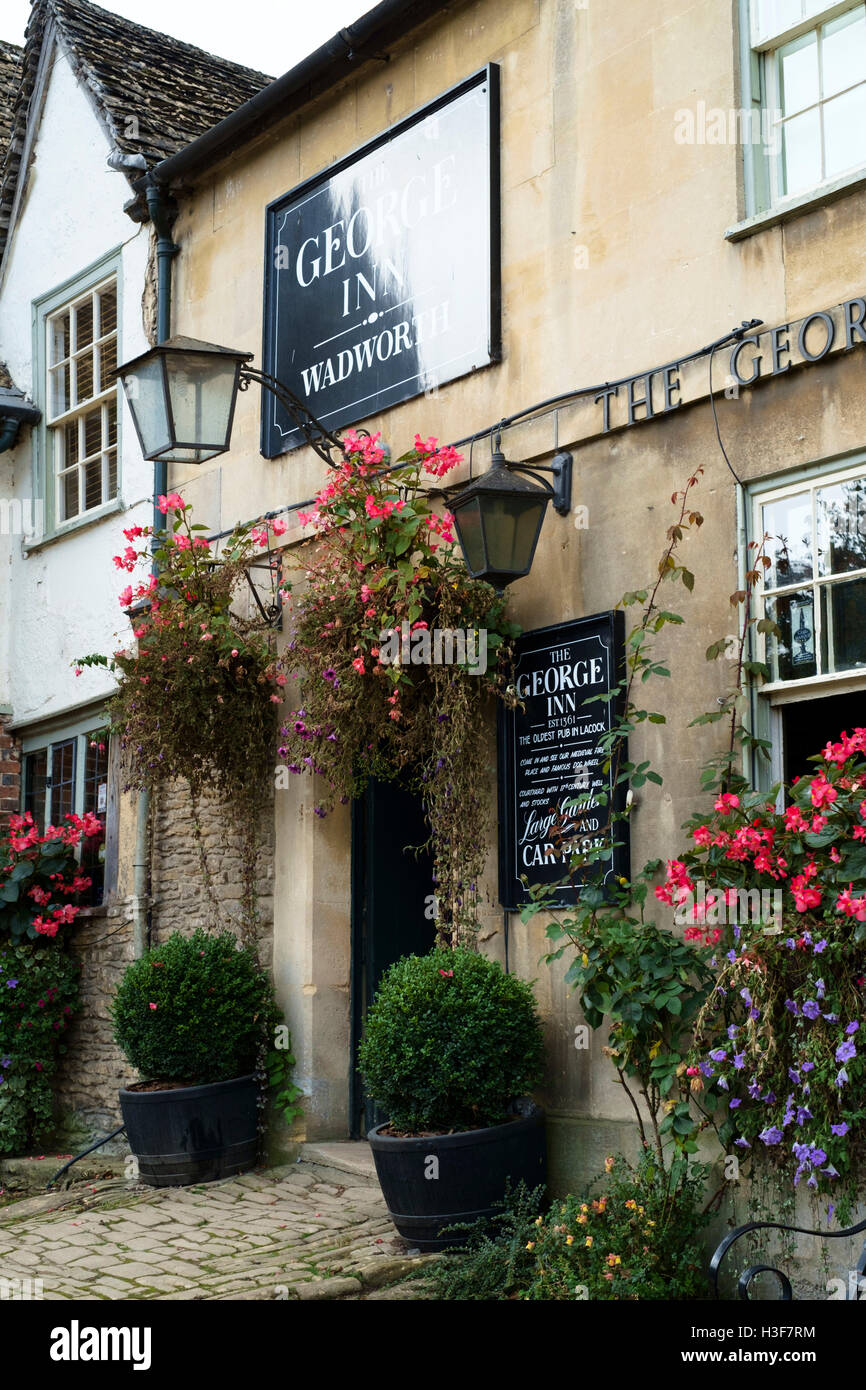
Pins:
x,y
796,207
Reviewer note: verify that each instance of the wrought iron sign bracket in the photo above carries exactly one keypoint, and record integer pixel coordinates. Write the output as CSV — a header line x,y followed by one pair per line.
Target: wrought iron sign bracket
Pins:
x,y
321,440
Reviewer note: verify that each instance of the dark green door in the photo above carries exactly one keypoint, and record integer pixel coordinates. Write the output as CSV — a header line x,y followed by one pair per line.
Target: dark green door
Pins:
x,y
392,909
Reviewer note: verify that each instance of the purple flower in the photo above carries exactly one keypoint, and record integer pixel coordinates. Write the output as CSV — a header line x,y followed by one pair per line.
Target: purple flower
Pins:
x,y
818,1157
734,1104
706,1069
723,1083
830,1171
11,984
754,1090
718,1054
841,1129
732,956
803,1114
841,1078
739,1060
792,1007
329,674
832,1018
794,1075
743,1143
845,1051
754,1013
317,811
737,933
791,943
852,1028
819,947
746,996
811,1009
772,1135
807,1066
820,988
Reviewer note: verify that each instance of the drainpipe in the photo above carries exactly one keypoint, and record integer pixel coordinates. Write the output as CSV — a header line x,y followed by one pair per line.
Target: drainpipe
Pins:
x,y
162,210
8,433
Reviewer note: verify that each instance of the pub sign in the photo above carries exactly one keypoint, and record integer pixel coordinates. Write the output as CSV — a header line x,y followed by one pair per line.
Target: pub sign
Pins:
x,y
550,763
382,273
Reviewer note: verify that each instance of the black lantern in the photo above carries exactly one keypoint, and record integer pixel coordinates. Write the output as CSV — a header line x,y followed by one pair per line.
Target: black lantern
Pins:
x,y
498,518
182,397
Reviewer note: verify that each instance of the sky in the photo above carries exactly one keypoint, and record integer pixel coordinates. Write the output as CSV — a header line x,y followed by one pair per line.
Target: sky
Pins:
x,y
268,35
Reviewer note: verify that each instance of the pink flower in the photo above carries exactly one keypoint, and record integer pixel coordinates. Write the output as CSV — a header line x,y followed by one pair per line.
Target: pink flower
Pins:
x,y
152,1006
125,598
172,503
727,802
183,542
358,664
279,527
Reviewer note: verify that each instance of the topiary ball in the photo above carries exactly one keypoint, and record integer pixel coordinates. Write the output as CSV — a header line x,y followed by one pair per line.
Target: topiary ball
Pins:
x,y
194,1009
450,1040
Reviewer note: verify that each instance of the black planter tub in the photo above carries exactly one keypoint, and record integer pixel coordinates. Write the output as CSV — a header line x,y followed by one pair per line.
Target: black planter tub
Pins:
x,y
471,1169
192,1134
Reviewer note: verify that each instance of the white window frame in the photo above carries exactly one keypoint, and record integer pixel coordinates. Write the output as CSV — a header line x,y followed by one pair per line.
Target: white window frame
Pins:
x,y
78,731
768,698
763,163
48,435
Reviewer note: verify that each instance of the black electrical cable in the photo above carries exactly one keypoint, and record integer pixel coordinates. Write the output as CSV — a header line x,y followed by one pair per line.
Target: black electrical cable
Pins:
x,y
545,407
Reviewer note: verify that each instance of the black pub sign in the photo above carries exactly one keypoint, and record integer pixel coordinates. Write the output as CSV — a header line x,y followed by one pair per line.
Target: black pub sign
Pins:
x,y
550,763
382,272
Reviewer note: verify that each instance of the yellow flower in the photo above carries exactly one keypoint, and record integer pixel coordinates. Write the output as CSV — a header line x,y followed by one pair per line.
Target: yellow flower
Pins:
x,y
569,1240
608,1165
584,960
588,1242
584,1207
631,1205
614,1260
655,1049
530,1245
539,1220
581,1221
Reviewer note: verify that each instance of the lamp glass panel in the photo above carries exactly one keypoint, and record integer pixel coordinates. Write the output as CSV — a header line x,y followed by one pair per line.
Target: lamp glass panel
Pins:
x,y
144,392
511,528
467,521
202,388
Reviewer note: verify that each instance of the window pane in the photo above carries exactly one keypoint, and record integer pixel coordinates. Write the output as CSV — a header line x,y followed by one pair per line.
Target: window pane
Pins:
x,y
83,324
60,401
58,338
92,484
107,311
843,52
845,132
789,524
95,801
843,622
62,780
70,443
107,364
92,432
798,73
801,152
69,487
842,527
112,473
792,655
111,422
35,777
84,377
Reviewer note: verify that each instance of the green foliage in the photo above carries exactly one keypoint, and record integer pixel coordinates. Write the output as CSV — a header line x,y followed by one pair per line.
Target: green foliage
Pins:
x,y
496,1261
450,1040
196,1009
635,1234
384,561
38,994
638,1240
285,1095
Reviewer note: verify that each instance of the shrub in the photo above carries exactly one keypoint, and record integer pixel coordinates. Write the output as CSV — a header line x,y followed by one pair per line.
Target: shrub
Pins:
x,y
38,992
638,1238
195,1009
450,1040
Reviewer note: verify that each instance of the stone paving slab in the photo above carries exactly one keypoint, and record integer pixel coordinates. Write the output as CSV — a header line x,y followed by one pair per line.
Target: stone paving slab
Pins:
x,y
308,1231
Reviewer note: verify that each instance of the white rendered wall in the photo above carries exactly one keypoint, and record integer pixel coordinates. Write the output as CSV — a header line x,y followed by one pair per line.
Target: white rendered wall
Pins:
x,y
59,601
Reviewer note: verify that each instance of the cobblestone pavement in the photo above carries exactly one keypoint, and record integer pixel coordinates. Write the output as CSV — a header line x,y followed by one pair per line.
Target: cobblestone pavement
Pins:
x,y
304,1231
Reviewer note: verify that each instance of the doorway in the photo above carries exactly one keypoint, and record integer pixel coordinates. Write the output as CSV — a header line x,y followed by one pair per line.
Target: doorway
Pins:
x,y
392,910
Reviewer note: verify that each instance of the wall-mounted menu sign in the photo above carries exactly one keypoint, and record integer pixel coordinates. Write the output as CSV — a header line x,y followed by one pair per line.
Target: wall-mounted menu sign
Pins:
x,y
382,273
550,764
